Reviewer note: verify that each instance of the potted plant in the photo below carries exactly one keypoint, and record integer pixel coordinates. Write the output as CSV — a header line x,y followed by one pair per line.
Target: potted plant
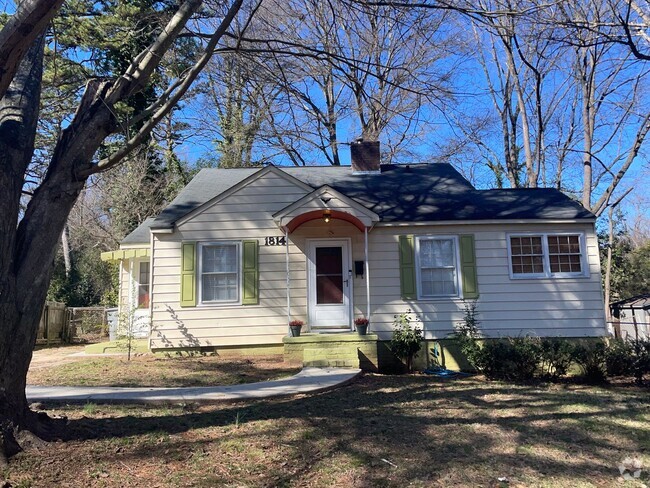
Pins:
x,y
295,326
361,325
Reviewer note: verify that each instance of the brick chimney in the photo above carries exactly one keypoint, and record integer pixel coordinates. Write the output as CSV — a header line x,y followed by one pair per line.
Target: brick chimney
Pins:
x,y
365,156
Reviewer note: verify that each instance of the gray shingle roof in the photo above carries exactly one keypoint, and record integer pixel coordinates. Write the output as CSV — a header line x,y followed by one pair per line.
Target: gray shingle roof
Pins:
x,y
141,234
207,184
400,193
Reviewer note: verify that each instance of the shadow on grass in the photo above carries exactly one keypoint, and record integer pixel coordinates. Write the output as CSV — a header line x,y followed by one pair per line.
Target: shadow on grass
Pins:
x,y
429,429
167,372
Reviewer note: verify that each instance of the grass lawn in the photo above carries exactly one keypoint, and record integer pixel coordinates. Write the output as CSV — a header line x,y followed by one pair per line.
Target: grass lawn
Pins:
x,y
378,431
149,370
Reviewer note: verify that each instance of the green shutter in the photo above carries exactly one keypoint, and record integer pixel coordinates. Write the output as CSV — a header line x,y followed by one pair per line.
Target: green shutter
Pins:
x,y
188,274
250,280
407,268
468,267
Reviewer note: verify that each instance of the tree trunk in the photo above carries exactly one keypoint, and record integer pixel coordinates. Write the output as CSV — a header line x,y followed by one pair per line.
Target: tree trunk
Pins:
x,y
15,414
19,315
27,249
29,239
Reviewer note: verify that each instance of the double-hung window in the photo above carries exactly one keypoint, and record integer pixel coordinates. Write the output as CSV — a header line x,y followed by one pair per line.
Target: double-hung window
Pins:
x,y
546,255
219,270
437,266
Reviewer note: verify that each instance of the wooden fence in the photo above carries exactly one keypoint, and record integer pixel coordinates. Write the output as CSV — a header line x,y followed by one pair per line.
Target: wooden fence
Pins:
x,y
87,324
71,324
52,328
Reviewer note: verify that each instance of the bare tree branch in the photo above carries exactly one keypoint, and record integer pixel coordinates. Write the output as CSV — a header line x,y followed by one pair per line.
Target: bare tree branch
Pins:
x,y
189,78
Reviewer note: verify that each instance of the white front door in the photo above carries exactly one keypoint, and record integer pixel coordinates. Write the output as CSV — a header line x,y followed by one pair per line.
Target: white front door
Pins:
x,y
330,285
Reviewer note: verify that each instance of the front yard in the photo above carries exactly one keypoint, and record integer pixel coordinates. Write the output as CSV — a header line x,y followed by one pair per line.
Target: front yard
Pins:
x,y
379,431
148,370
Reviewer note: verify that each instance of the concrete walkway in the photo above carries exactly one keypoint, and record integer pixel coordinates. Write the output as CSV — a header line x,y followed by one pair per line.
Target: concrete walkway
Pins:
x,y
309,380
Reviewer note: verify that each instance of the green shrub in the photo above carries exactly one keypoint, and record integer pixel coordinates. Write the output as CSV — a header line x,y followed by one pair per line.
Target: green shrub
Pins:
x,y
407,339
523,358
526,357
556,357
508,359
628,358
641,358
515,359
619,360
590,357
467,336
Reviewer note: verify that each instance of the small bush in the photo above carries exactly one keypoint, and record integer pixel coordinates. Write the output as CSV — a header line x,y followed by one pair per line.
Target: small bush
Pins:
x,y
641,358
515,359
508,359
590,357
406,340
619,359
628,358
467,334
524,358
556,357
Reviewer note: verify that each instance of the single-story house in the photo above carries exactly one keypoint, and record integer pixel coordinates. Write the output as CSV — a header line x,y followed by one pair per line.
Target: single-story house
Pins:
x,y
241,252
632,317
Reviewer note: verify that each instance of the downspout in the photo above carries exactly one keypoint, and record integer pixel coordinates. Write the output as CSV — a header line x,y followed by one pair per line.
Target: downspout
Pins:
x,y
367,273
151,249
286,247
120,297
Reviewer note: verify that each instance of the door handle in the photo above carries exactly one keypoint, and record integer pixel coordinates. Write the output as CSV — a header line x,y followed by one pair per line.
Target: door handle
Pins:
x,y
347,282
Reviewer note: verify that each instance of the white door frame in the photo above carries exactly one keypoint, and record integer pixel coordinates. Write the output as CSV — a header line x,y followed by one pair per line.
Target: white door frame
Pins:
x,y
139,316
348,293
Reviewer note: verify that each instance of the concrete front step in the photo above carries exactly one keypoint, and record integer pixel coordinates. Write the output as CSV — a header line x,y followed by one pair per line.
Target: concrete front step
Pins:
x,y
342,350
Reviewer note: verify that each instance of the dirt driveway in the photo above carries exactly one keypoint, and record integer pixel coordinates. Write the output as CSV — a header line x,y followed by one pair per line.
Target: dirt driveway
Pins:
x,y
47,357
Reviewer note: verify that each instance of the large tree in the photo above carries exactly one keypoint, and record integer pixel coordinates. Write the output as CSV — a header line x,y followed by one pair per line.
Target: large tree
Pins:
x,y
567,103
28,238
309,75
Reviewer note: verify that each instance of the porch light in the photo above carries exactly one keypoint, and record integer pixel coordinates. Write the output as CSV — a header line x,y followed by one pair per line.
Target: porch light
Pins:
x,y
327,215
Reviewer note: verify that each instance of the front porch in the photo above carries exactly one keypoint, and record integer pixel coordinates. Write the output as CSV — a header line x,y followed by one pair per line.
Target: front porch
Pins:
x,y
324,226
347,350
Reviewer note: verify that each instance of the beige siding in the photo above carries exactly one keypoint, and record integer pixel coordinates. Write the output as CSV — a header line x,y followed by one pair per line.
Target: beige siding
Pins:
x,y
246,214
568,307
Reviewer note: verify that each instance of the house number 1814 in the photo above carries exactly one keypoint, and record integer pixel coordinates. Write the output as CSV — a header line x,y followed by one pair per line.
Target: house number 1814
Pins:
x,y
275,241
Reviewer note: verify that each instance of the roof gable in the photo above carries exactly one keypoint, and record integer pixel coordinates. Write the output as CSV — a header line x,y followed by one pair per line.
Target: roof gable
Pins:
x,y
260,174
322,198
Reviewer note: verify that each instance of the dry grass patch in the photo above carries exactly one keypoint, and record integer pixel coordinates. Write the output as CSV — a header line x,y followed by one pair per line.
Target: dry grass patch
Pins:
x,y
377,432
149,370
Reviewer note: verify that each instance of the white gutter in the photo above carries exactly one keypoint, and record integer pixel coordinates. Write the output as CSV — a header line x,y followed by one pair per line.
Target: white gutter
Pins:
x,y
484,222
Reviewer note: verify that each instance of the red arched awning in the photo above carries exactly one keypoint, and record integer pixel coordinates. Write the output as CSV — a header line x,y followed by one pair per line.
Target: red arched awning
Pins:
x,y
318,214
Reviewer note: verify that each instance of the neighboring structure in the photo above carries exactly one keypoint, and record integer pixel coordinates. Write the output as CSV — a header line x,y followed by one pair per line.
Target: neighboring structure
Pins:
x,y
240,252
631,317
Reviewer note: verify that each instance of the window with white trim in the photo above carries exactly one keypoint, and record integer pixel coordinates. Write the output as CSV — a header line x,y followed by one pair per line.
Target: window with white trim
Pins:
x,y
219,272
143,284
546,255
437,266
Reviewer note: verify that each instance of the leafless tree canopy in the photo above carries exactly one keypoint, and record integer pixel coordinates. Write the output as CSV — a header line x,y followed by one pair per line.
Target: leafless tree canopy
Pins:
x,y
520,93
